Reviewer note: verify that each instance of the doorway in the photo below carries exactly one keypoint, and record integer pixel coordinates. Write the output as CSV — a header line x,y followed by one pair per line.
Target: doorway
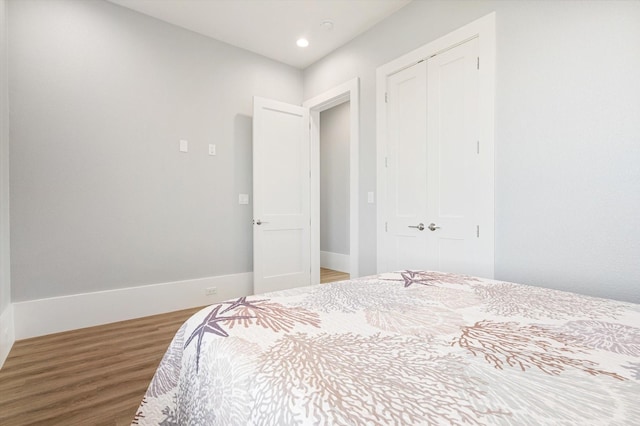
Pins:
x,y
334,192
345,93
286,188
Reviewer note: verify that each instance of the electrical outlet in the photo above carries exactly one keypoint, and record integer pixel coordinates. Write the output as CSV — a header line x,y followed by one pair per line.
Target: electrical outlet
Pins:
x,y
210,291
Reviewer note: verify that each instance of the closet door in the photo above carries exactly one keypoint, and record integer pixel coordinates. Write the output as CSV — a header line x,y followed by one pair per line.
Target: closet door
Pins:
x,y
453,162
434,177
406,184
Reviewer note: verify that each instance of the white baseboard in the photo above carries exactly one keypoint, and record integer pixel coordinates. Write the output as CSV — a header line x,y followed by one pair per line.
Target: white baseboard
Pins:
x,y
7,333
45,316
336,261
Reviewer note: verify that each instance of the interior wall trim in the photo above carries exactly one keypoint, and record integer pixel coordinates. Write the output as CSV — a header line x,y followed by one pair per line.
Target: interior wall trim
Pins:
x,y
335,261
7,334
56,314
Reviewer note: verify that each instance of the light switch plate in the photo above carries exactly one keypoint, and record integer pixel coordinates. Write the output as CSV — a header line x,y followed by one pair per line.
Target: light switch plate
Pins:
x,y
370,197
243,198
212,149
184,145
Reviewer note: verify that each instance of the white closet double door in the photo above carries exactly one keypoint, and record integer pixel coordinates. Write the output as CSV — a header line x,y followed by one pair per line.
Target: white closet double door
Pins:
x,y
435,171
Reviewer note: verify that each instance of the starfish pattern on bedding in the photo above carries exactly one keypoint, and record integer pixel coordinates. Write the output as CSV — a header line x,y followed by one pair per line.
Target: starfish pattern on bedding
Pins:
x,y
210,325
413,277
242,302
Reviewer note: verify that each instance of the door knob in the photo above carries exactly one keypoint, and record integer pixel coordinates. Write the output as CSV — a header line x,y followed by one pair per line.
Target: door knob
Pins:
x,y
259,222
420,226
433,227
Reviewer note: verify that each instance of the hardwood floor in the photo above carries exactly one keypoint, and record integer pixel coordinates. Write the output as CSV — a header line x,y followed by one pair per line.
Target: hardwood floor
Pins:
x,y
91,376
329,276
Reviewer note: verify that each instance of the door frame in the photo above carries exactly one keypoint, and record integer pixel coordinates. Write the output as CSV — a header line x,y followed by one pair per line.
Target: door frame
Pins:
x,y
484,29
346,92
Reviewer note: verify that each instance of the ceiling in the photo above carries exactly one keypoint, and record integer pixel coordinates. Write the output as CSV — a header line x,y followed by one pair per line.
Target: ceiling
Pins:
x,y
271,27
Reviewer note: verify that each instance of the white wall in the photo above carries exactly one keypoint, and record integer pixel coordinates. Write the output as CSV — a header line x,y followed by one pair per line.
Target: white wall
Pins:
x,y
567,134
334,179
101,197
6,316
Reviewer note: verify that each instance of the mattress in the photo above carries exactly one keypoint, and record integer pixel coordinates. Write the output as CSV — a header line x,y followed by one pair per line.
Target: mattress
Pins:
x,y
408,347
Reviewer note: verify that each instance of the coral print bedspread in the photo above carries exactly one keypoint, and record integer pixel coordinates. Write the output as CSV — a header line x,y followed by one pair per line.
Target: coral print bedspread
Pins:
x,y
408,347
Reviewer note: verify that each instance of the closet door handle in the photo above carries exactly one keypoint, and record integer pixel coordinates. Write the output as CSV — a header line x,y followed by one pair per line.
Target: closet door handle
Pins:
x,y
433,227
420,226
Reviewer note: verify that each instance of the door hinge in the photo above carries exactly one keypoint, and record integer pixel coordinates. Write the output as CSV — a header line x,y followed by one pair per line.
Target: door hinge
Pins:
x,y
386,227
478,63
477,231
386,97
478,147
386,162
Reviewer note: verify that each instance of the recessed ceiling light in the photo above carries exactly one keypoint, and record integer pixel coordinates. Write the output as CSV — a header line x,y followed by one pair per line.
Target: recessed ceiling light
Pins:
x,y
302,42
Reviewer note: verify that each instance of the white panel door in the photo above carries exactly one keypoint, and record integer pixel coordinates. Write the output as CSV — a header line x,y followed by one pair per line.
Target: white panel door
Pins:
x,y
281,211
455,181
406,185
435,177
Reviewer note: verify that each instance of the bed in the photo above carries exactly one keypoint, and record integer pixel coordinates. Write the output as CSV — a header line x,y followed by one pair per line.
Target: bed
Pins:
x,y
408,347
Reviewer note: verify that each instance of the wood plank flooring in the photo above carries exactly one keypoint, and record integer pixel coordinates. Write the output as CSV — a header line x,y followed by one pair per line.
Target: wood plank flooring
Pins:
x,y
91,376
329,276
